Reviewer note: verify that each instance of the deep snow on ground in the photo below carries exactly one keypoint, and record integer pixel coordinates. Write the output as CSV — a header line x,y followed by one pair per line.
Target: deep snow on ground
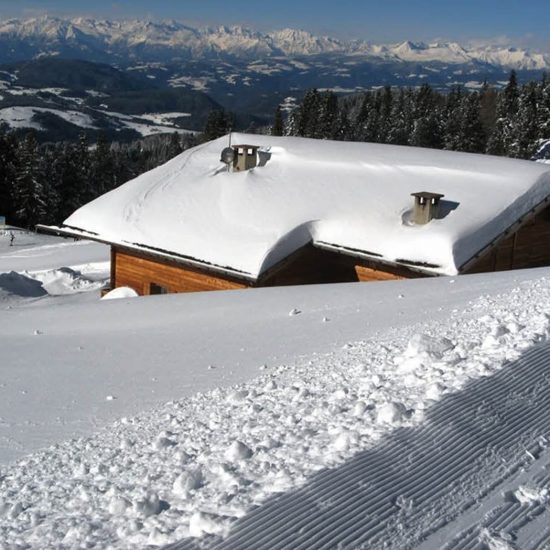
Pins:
x,y
34,252
35,267
186,412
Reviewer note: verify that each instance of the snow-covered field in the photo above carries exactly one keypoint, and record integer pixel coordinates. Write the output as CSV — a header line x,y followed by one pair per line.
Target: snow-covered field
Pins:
x,y
388,415
22,117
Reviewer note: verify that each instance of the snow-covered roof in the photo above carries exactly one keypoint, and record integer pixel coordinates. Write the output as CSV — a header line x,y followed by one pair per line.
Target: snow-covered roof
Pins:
x,y
355,197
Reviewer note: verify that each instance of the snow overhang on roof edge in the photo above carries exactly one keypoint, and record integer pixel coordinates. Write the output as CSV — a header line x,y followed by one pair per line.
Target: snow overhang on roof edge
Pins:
x,y
178,258
425,269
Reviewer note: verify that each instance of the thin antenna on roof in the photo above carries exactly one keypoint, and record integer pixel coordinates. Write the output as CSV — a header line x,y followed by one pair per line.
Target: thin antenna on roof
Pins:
x,y
228,154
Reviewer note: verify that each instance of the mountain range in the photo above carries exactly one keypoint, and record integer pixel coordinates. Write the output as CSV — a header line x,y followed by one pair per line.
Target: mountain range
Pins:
x,y
168,75
101,40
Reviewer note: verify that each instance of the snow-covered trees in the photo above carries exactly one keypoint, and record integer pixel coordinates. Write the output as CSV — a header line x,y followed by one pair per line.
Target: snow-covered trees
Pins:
x,y
29,190
511,122
46,183
218,123
318,116
8,157
278,124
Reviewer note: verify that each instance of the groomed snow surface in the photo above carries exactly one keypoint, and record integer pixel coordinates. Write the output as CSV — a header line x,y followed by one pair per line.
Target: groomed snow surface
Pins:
x,y
408,414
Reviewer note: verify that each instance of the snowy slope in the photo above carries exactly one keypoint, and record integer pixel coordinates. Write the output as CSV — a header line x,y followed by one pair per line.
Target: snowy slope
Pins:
x,y
287,417
299,380
347,195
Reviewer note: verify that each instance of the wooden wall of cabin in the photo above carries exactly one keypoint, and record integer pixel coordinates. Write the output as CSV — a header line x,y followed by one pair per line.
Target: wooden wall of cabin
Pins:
x,y
310,266
140,272
370,272
528,247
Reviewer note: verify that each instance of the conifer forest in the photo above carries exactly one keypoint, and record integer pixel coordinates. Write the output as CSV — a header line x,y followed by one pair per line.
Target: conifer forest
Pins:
x,y
45,183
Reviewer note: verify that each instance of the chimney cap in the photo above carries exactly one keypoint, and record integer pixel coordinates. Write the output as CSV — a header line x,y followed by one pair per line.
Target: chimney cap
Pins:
x,y
244,146
427,195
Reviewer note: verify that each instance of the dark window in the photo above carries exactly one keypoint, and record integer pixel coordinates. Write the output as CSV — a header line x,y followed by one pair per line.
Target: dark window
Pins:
x,y
157,289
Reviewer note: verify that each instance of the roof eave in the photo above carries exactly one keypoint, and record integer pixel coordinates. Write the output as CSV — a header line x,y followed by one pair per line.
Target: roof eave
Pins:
x,y
516,226
185,261
379,259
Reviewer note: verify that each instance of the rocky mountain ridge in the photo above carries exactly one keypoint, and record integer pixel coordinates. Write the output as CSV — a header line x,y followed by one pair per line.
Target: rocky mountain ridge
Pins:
x,y
141,40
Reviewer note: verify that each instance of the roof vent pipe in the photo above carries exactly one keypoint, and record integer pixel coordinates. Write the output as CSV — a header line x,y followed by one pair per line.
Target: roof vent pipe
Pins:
x,y
426,207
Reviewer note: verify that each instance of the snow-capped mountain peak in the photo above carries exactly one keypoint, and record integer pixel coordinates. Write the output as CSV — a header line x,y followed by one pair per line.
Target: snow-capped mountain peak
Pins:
x,y
162,40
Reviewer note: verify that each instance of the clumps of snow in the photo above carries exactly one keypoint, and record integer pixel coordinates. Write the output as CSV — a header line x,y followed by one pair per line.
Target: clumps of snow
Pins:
x,y
497,540
53,282
531,495
63,281
428,346
193,467
120,292
187,482
391,413
202,523
238,451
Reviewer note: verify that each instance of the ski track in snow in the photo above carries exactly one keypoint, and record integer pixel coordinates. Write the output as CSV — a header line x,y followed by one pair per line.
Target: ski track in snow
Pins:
x,y
377,436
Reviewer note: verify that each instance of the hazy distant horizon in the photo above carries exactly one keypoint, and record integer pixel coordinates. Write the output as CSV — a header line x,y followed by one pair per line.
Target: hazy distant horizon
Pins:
x,y
505,22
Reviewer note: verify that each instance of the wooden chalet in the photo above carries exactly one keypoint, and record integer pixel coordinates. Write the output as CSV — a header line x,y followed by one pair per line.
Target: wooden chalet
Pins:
x,y
214,209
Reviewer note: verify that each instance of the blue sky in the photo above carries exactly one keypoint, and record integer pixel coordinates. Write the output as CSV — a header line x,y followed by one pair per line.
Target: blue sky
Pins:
x,y
523,22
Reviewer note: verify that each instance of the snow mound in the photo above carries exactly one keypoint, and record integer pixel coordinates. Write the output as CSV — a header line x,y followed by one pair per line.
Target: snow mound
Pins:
x,y
62,281
423,344
120,292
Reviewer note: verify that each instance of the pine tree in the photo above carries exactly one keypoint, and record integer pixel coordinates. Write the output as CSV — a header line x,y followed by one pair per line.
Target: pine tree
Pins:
x,y
30,206
308,115
543,115
427,130
52,199
471,134
452,119
360,127
174,146
328,116
488,108
385,121
526,130
399,131
372,126
278,125
218,123
8,161
101,173
73,189
502,137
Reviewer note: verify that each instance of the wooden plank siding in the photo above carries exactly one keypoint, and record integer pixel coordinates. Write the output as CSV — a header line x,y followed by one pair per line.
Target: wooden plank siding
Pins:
x,y
527,247
368,271
139,272
368,274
